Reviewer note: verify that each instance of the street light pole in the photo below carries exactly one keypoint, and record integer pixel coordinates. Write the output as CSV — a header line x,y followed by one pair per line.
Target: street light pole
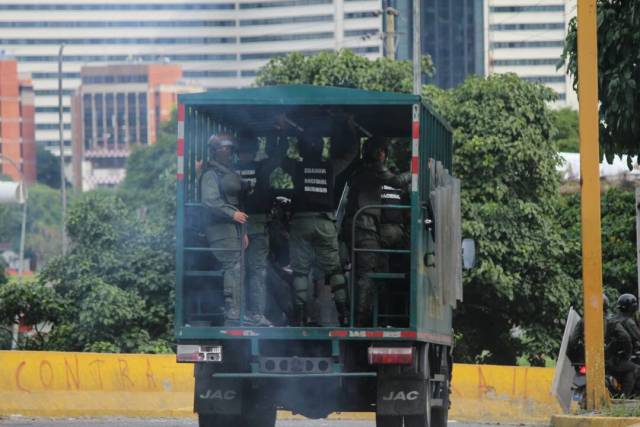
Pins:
x,y
23,190
61,134
417,50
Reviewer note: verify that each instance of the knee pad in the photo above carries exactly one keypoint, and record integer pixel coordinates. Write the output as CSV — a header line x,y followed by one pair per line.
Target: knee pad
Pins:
x,y
337,280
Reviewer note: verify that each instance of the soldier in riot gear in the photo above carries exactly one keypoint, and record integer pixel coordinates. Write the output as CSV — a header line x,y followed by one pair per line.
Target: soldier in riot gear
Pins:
x,y
313,230
221,188
371,184
256,202
623,342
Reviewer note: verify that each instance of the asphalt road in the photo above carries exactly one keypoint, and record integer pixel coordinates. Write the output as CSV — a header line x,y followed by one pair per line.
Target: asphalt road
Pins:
x,y
170,422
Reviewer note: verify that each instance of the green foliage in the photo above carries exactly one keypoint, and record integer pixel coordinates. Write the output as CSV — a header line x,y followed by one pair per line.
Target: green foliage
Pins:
x,y
619,268
566,121
117,279
618,74
343,68
34,304
518,294
48,168
43,228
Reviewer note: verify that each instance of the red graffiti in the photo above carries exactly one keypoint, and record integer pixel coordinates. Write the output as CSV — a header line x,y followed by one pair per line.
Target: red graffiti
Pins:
x,y
124,373
46,383
98,375
18,371
70,374
151,381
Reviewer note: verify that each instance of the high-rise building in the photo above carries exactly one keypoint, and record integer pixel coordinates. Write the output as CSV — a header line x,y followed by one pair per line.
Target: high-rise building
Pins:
x,y
218,43
452,34
17,143
526,37
116,108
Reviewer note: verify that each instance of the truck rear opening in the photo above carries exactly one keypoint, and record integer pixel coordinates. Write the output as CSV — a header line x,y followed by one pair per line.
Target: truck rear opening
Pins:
x,y
397,363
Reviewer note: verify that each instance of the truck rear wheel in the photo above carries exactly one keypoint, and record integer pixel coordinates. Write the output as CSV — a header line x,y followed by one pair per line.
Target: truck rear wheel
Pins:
x,y
260,417
388,420
217,420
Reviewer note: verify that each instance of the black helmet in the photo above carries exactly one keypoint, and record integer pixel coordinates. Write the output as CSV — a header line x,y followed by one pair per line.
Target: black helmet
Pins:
x,y
627,303
219,141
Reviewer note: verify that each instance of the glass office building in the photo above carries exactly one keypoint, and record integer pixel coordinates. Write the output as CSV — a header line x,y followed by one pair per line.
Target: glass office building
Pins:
x,y
452,34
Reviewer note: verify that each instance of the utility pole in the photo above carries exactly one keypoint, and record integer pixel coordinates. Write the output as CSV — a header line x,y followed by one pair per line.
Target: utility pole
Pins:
x,y
590,203
417,50
390,32
63,187
638,235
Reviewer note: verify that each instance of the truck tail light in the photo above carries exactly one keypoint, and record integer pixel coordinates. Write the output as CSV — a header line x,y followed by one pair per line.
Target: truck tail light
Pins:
x,y
199,353
390,355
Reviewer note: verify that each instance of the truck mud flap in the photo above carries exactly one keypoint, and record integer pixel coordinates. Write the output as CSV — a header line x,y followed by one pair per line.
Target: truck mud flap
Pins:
x,y
218,396
402,396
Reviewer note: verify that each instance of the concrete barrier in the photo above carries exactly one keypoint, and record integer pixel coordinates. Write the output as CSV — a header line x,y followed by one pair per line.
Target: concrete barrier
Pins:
x,y
60,384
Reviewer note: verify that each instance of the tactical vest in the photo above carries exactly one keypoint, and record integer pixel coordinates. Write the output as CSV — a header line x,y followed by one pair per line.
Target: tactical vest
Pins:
x,y
391,196
256,197
313,187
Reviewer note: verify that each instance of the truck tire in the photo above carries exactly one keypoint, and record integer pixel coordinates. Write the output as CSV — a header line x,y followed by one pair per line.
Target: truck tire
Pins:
x,y
217,420
388,420
440,413
260,417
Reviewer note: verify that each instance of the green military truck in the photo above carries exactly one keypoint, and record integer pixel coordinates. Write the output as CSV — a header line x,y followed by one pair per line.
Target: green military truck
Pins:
x,y
400,367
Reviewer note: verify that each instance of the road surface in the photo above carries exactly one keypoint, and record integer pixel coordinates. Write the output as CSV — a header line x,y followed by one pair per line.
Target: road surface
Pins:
x,y
171,422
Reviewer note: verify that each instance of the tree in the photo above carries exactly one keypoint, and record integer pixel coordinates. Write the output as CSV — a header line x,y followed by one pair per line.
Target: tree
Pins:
x,y
48,168
343,68
517,296
43,228
34,305
618,74
567,137
619,268
116,281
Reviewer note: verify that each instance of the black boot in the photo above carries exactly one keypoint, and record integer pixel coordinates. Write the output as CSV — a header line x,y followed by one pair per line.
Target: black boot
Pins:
x,y
343,313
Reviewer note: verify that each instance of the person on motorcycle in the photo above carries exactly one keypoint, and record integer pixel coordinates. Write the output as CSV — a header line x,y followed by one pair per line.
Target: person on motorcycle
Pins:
x,y
623,341
575,349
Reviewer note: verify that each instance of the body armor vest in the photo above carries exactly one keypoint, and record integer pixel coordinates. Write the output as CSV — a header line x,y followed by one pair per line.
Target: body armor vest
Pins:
x,y
391,196
255,180
313,186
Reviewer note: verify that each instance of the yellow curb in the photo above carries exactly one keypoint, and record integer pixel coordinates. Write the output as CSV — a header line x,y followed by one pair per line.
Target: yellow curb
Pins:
x,y
593,421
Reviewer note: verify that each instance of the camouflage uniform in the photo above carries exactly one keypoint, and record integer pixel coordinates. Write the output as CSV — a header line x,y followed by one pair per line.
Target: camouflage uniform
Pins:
x,y
313,232
369,184
221,188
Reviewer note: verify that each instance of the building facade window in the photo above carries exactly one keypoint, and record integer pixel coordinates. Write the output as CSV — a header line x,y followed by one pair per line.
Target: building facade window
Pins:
x,y
286,37
361,33
287,20
536,61
360,15
208,73
123,6
524,9
525,27
545,79
125,58
52,109
52,126
527,44
120,41
284,3
140,78
115,24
